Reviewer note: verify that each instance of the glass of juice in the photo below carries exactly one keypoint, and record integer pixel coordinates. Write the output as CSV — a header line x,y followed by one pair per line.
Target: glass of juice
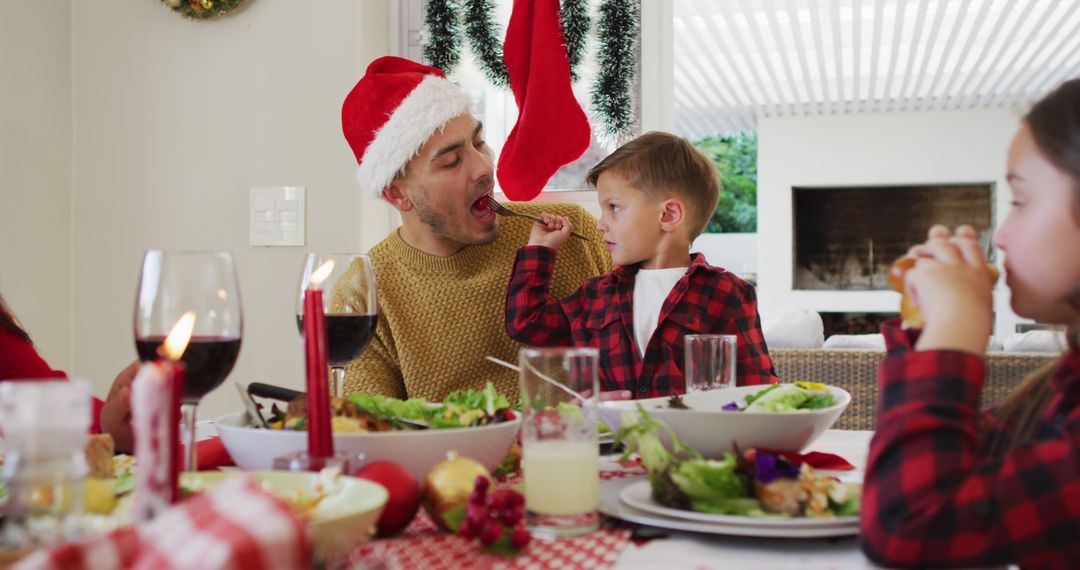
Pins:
x,y
560,454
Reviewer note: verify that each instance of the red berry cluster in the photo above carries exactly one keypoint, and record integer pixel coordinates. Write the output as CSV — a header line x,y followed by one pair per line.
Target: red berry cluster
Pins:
x,y
489,517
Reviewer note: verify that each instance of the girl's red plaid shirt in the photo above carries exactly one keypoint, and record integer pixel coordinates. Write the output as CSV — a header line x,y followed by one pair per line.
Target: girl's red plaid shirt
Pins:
x,y
932,497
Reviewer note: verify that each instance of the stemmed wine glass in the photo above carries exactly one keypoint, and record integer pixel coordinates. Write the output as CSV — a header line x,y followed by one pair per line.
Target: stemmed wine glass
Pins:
x,y
349,302
172,283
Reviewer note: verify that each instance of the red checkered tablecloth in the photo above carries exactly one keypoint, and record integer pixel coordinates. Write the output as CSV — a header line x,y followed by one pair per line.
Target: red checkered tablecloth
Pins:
x,y
422,545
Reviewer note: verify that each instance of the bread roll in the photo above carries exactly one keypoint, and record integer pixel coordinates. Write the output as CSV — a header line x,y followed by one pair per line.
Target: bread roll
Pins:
x,y
99,456
910,315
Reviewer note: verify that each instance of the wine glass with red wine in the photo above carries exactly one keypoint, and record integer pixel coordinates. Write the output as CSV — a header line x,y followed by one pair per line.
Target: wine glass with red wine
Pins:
x,y
350,304
204,282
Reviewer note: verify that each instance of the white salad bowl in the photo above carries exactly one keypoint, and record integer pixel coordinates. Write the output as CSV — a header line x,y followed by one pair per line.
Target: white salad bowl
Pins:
x,y
416,450
713,431
342,518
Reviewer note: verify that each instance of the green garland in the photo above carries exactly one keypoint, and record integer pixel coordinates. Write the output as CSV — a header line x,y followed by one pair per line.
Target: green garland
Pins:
x,y
202,9
443,45
616,66
617,29
483,39
575,23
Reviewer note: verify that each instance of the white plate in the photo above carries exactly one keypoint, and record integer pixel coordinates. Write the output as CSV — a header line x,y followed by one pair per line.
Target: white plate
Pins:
x,y
612,504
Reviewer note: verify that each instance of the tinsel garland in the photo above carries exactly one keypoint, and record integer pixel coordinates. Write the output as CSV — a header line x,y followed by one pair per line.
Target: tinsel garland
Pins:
x,y
484,35
617,28
479,30
443,46
575,23
202,9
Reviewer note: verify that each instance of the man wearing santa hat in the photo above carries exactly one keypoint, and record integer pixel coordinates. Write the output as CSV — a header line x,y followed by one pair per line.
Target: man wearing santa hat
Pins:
x,y
442,275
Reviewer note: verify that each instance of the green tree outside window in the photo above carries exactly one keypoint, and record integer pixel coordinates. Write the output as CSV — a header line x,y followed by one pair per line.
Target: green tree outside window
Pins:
x,y
736,159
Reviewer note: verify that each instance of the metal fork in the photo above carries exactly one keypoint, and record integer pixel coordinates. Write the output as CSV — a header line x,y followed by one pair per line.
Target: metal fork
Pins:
x,y
501,210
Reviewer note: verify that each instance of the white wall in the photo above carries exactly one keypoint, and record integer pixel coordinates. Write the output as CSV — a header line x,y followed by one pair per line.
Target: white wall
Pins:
x,y
174,121
35,171
735,252
897,148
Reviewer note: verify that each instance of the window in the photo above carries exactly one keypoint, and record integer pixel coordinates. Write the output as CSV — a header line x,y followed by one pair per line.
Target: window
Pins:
x,y
496,108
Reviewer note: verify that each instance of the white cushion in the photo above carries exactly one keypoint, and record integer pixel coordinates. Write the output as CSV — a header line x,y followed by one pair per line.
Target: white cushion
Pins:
x,y
863,341
1036,341
793,328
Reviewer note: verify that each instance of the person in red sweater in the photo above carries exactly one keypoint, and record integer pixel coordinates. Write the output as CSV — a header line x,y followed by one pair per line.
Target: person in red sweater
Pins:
x,y
948,484
20,361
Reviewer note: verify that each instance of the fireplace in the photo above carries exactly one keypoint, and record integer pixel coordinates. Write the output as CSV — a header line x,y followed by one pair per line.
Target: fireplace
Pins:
x,y
845,238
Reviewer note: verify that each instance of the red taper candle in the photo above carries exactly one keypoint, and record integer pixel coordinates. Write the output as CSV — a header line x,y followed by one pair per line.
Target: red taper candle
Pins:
x,y
177,373
320,441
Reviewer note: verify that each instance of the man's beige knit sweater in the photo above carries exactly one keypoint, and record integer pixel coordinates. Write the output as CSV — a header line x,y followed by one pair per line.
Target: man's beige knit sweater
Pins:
x,y
440,316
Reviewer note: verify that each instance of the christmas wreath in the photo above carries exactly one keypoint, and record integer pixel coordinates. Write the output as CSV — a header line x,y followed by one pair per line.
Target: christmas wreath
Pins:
x,y
202,9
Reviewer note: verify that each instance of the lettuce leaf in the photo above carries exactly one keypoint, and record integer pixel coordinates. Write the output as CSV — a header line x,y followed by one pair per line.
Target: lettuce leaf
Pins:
x,y
487,399
819,401
710,480
784,398
413,408
682,478
751,398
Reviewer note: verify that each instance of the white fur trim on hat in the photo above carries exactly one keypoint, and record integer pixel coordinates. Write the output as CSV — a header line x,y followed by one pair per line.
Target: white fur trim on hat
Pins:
x,y
429,106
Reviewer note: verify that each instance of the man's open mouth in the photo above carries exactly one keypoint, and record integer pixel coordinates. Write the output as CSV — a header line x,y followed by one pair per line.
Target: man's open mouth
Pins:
x,y
481,203
481,209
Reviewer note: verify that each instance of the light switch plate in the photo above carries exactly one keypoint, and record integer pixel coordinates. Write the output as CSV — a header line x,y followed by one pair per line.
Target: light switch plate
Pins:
x,y
276,216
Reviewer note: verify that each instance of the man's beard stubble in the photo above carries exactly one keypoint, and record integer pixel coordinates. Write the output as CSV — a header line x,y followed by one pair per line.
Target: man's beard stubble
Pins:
x,y
441,223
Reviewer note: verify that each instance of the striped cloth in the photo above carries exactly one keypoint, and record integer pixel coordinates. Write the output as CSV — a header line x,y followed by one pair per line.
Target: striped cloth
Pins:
x,y
235,525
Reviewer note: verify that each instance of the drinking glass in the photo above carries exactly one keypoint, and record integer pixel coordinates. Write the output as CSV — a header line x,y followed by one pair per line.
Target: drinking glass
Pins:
x,y
560,454
350,304
709,361
44,425
204,282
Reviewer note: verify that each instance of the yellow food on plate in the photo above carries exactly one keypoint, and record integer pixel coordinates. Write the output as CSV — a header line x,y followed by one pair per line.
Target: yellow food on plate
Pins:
x,y
99,496
339,424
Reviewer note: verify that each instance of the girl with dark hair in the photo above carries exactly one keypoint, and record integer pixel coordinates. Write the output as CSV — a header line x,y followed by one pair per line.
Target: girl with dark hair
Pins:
x,y
947,484
20,361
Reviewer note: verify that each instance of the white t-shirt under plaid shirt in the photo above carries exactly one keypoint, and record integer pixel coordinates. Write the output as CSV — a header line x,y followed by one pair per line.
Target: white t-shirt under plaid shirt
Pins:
x,y
651,288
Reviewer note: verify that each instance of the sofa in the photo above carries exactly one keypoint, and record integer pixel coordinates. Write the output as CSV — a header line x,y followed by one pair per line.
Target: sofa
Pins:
x,y
856,371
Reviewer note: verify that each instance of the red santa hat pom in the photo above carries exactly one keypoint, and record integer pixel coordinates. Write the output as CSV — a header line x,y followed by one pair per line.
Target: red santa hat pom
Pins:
x,y
551,129
394,108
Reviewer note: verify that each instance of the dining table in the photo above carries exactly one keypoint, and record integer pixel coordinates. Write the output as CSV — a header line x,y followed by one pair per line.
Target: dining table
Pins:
x,y
629,538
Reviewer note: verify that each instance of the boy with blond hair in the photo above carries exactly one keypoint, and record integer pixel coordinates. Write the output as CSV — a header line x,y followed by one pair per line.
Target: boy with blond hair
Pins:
x,y
656,194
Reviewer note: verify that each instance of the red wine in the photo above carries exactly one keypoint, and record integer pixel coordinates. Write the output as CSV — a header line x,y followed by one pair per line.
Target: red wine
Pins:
x,y
347,335
208,360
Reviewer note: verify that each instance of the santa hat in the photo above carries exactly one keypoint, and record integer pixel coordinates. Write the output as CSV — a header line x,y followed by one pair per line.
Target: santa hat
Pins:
x,y
391,112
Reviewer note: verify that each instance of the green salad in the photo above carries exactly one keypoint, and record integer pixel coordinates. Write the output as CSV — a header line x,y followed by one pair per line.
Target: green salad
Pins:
x,y
756,483
781,398
461,408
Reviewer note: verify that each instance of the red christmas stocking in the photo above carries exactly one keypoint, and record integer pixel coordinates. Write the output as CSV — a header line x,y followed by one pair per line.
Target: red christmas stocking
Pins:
x,y
551,129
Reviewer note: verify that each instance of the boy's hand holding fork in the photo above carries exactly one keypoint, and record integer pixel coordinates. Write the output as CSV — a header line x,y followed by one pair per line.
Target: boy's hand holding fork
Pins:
x,y
552,232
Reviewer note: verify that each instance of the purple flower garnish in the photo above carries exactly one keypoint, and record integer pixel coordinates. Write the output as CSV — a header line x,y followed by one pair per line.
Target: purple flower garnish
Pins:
x,y
731,407
769,467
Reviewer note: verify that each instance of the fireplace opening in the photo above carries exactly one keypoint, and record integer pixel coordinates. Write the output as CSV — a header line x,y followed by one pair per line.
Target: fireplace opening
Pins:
x,y
854,322
845,238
